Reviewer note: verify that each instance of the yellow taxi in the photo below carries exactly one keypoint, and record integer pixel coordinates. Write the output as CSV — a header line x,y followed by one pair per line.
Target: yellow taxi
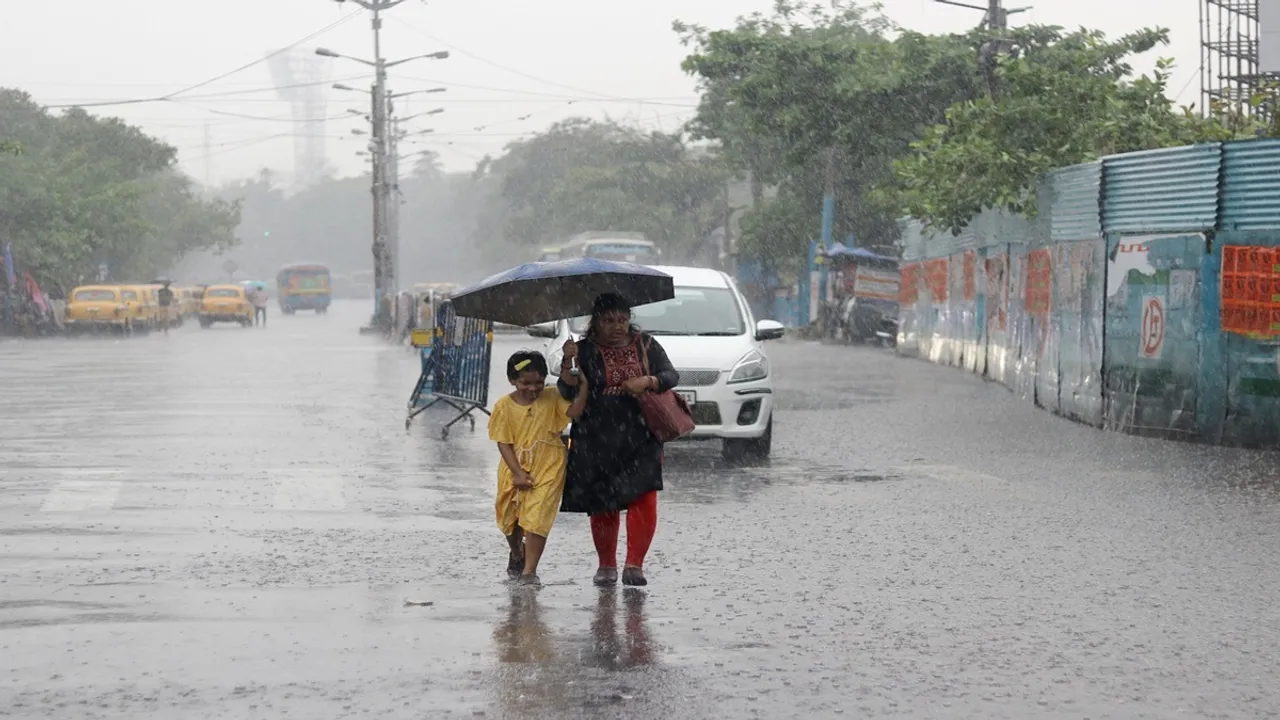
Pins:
x,y
188,300
143,310
97,307
225,303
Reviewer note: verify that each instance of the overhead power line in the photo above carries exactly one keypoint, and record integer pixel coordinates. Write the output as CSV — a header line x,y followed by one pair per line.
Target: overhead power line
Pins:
x,y
172,95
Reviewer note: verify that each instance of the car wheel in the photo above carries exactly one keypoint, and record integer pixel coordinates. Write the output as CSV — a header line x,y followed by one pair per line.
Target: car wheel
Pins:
x,y
750,451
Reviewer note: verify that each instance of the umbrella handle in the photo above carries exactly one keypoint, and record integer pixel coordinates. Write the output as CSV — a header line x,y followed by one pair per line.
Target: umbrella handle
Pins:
x,y
573,367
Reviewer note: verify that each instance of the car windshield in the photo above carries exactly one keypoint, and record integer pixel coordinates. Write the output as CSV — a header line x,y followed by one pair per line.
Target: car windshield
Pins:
x,y
95,295
693,311
223,293
623,252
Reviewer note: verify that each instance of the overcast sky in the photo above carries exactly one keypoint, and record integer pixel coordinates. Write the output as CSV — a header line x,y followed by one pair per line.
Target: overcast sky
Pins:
x,y
516,66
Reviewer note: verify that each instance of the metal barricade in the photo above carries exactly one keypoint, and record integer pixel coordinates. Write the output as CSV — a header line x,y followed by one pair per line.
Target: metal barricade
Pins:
x,y
455,368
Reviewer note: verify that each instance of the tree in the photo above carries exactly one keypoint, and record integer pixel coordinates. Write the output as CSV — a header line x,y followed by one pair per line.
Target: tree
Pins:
x,y
1065,98
779,91
87,190
586,175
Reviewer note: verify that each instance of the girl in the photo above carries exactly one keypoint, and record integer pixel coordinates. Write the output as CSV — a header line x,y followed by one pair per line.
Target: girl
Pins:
x,y
527,424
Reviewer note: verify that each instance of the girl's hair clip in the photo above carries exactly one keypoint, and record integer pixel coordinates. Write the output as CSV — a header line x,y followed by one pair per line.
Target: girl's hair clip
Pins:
x,y
522,365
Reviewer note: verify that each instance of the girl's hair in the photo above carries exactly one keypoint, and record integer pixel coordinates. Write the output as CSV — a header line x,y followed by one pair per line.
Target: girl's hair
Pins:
x,y
526,361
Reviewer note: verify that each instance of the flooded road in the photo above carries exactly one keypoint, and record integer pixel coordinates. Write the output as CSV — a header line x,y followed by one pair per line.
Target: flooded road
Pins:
x,y
228,524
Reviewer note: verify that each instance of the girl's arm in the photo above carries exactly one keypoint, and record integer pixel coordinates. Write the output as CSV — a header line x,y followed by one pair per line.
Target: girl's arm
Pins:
x,y
519,477
579,404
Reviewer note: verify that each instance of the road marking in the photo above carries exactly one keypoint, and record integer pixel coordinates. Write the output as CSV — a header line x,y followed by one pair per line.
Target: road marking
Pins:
x,y
82,495
323,493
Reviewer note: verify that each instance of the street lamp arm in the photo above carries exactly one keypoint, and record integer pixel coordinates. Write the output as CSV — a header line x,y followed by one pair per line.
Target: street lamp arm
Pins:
x,y
441,55
375,4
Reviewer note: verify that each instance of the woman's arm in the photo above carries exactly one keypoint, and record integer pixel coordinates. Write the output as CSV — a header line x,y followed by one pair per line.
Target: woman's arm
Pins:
x,y
661,368
579,404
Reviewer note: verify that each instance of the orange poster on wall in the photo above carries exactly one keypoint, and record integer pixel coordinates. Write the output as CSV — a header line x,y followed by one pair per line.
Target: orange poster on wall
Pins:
x,y
970,275
1039,292
935,278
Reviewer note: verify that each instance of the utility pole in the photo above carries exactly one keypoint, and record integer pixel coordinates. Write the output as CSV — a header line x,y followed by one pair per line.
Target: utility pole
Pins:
x,y
997,17
383,274
393,195
384,269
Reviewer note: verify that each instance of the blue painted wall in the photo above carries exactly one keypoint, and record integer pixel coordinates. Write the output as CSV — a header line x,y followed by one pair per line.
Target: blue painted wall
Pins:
x,y
1122,234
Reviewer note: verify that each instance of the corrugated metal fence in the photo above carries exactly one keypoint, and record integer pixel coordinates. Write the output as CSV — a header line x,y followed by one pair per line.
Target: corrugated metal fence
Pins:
x,y
1113,306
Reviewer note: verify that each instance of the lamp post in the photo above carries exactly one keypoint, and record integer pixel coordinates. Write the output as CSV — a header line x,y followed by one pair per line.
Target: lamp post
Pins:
x,y
384,270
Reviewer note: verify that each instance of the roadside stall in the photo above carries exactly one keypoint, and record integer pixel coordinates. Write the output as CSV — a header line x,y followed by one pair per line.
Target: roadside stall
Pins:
x,y
865,288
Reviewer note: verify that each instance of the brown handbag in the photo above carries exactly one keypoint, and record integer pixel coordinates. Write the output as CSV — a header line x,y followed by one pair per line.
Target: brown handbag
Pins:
x,y
666,413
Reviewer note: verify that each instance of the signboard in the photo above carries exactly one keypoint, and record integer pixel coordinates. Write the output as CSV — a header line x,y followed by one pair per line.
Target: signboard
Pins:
x,y
1151,340
876,284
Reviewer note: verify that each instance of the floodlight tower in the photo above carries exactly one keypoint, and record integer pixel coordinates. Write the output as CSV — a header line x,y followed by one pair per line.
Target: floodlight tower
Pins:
x,y
302,78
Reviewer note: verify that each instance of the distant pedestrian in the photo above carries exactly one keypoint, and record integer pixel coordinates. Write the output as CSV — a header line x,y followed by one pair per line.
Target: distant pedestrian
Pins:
x,y
527,424
615,462
165,297
259,299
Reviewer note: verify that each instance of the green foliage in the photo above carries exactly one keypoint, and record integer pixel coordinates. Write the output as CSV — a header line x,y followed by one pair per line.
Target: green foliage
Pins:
x,y
938,127
585,175
779,90
1064,98
85,190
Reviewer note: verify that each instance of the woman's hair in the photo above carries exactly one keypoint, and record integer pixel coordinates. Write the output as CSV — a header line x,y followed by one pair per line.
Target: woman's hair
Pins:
x,y
607,303
526,361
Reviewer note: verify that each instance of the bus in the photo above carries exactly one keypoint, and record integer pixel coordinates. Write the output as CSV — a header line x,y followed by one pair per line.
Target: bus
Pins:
x,y
362,285
303,286
618,246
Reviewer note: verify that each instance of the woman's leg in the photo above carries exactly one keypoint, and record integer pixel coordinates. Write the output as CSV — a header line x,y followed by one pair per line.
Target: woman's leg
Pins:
x,y
604,531
642,522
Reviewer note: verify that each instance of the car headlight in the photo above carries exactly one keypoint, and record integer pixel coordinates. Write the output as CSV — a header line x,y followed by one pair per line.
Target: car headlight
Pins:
x,y
753,366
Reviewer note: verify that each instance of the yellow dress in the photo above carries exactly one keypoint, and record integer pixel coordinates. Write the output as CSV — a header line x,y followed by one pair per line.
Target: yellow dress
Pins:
x,y
534,432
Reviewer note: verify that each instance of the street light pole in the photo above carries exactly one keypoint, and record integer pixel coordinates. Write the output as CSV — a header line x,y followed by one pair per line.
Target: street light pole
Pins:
x,y
393,181
385,231
383,273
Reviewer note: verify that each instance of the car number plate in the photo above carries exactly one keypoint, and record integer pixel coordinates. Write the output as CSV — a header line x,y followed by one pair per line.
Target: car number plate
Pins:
x,y
689,396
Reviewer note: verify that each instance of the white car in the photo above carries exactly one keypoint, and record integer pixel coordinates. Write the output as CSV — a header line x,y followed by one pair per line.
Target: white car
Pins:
x,y
718,348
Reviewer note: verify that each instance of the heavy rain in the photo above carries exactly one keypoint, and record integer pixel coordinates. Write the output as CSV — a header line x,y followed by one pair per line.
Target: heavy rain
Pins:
x,y
688,359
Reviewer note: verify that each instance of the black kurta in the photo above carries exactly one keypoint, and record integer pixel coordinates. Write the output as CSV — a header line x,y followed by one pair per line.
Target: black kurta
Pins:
x,y
613,459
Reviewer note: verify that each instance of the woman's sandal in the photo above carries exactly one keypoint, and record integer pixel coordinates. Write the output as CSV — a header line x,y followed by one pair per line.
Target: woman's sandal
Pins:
x,y
633,576
515,565
605,577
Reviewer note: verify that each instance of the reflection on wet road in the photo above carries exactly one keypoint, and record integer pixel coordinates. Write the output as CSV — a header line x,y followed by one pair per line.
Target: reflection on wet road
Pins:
x,y
227,523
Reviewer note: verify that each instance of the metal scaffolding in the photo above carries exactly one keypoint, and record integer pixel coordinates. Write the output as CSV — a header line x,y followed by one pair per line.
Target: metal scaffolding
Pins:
x,y
1229,71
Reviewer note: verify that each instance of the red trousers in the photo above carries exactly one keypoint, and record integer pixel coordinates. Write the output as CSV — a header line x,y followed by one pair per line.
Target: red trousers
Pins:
x,y
642,522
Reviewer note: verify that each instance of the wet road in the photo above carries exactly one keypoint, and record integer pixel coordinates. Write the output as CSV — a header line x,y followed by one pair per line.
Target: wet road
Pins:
x,y
227,524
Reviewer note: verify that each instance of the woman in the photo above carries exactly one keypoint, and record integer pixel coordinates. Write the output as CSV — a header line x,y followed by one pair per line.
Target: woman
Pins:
x,y
615,463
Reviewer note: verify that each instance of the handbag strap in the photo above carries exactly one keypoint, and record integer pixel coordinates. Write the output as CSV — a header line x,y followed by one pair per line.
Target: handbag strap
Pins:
x,y
643,350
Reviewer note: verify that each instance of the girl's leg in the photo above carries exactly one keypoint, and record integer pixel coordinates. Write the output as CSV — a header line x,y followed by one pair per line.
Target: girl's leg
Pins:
x,y
534,544
515,562
642,522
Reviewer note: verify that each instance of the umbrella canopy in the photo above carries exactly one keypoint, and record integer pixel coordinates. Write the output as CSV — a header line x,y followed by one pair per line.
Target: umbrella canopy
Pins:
x,y
541,292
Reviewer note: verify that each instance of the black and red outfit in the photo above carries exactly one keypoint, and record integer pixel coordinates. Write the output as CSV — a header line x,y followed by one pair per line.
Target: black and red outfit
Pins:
x,y
615,463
